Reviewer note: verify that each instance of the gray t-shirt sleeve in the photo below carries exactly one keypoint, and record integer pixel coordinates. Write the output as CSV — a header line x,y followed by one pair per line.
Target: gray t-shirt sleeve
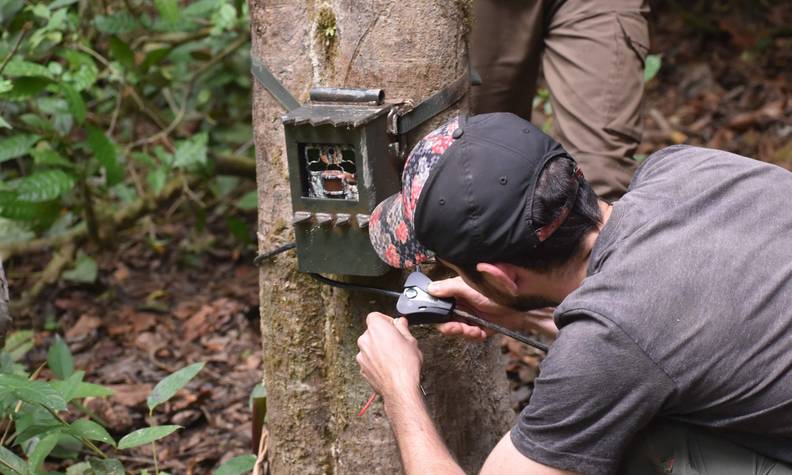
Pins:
x,y
595,391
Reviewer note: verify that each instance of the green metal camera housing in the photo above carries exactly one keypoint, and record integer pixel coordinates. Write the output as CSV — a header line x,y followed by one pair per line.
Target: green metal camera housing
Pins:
x,y
340,168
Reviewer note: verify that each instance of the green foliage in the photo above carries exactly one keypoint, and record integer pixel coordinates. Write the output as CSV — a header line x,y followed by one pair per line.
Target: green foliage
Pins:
x,y
248,201
146,435
60,359
652,66
88,429
16,146
167,388
84,271
45,414
237,466
88,86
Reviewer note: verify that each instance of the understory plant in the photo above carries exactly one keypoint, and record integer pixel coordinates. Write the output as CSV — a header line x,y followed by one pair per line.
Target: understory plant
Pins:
x,y
48,419
108,109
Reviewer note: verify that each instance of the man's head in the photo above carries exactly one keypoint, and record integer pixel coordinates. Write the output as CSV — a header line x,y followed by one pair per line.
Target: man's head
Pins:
x,y
492,189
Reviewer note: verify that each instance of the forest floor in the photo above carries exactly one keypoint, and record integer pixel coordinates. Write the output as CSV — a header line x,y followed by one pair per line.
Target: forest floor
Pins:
x,y
171,295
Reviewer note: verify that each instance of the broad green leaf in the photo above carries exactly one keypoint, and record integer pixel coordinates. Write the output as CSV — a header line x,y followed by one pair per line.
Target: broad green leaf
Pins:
x,y
156,178
41,450
50,157
74,100
84,271
105,151
41,10
119,22
236,466
166,388
168,10
32,392
91,390
4,124
10,460
153,57
16,146
17,344
82,72
652,66
60,359
35,121
121,52
82,468
248,201
201,8
45,185
32,421
21,68
61,3
13,208
88,429
25,88
11,231
68,447
191,152
108,467
124,192
146,436
68,386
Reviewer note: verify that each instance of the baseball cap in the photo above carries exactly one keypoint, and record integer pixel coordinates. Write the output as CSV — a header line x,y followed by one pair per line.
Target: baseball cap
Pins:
x,y
467,194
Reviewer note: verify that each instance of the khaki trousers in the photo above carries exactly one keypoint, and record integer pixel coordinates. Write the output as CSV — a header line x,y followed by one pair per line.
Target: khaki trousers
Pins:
x,y
592,55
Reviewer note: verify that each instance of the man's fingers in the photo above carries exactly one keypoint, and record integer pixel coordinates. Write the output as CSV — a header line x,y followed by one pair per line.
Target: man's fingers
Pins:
x,y
448,287
402,325
373,317
470,332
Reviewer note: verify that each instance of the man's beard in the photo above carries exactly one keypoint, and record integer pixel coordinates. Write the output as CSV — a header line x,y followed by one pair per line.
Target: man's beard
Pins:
x,y
521,303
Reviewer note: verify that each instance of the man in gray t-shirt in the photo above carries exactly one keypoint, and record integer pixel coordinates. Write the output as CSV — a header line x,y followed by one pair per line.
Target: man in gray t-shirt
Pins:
x,y
674,305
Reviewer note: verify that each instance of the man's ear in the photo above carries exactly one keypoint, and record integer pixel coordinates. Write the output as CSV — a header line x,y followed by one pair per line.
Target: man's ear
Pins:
x,y
503,276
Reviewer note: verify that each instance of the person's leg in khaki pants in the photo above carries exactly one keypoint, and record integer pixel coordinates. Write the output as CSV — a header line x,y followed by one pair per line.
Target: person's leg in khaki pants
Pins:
x,y
505,49
592,56
593,63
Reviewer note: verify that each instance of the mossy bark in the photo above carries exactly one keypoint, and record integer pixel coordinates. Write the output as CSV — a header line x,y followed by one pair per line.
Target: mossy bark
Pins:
x,y
410,48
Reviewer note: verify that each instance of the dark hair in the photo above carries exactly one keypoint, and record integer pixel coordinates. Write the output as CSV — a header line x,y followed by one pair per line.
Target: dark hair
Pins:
x,y
556,183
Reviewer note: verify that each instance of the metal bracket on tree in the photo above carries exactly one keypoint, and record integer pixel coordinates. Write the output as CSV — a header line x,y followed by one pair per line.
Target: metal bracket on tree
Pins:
x,y
401,120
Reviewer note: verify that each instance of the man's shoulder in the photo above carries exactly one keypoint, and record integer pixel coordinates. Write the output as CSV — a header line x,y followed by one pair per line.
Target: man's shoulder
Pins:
x,y
670,160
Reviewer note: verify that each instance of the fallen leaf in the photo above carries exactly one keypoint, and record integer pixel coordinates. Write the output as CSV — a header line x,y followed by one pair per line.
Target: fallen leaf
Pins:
x,y
85,325
143,321
130,394
121,273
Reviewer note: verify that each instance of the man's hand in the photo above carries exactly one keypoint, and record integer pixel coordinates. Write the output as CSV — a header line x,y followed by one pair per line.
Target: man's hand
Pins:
x,y
473,301
389,357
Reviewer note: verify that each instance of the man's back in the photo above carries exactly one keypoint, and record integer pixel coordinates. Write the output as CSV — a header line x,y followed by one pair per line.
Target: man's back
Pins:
x,y
686,313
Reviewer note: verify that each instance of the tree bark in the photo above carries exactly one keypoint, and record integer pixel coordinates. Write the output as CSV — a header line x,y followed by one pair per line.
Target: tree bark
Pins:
x,y
411,48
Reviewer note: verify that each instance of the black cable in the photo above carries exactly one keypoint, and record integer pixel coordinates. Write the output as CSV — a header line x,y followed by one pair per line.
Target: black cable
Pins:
x,y
464,316
278,250
469,318
362,288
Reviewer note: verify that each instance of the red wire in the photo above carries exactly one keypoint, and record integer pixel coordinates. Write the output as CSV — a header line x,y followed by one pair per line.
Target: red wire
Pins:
x,y
368,403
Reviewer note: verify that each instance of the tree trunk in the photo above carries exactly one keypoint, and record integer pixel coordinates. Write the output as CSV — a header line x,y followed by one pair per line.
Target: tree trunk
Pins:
x,y
411,48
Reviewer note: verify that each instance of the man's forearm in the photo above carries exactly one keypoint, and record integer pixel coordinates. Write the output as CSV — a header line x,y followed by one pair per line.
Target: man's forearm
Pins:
x,y
422,449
